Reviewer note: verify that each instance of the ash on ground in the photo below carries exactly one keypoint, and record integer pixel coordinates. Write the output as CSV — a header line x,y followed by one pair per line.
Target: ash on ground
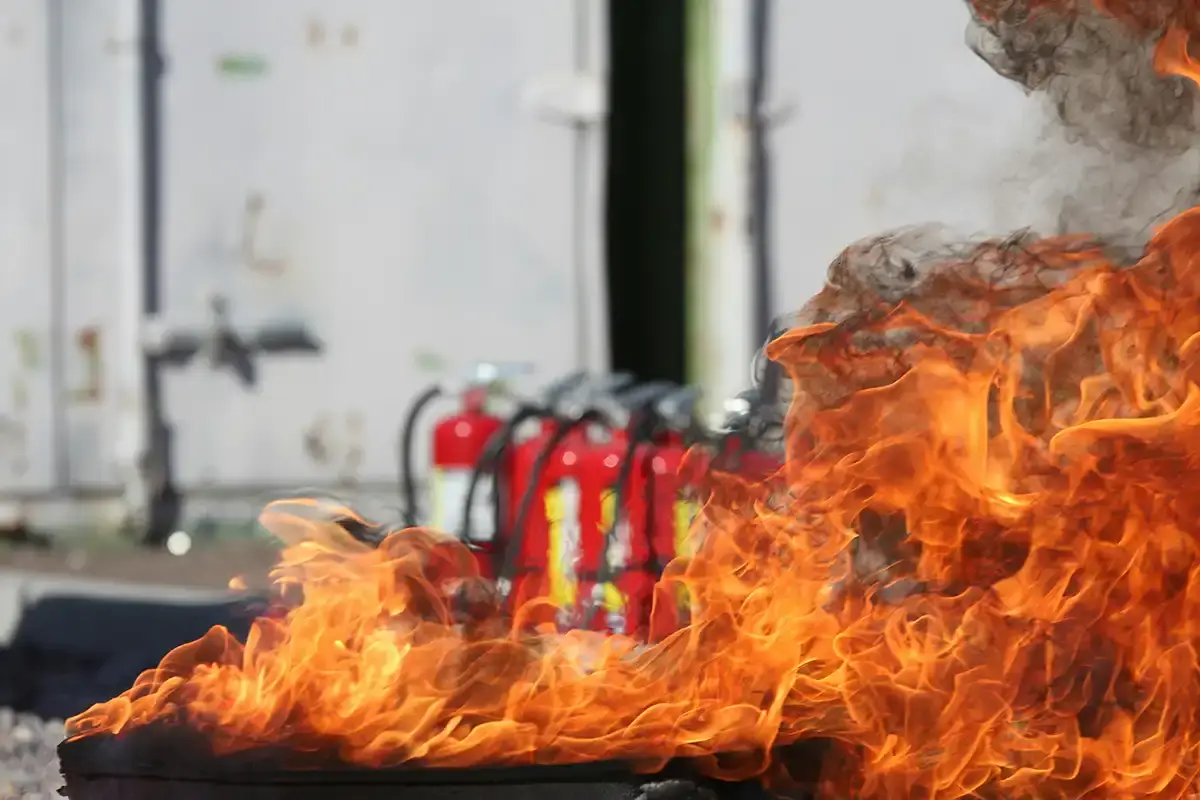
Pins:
x,y
28,756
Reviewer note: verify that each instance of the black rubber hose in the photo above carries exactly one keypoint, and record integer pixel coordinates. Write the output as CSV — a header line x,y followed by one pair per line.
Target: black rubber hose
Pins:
x,y
729,459
408,483
643,431
517,537
365,532
492,454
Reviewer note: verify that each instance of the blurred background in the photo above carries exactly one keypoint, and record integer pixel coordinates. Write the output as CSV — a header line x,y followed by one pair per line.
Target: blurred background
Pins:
x,y
238,237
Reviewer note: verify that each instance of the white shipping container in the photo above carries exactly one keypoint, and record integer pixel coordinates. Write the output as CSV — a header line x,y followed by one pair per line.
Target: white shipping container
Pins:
x,y
416,185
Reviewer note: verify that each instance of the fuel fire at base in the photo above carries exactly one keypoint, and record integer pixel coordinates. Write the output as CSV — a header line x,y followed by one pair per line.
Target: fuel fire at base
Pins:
x,y
1031,420
982,577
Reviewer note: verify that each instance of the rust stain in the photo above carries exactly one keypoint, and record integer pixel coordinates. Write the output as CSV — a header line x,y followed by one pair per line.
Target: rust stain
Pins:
x,y
87,342
256,205
355,454
316,440
716,220
28,349
20,394
316,33
14,445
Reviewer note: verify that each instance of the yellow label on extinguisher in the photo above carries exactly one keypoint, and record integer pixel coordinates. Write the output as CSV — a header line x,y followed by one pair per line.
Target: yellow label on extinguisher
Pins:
x,y
686,512
615,551
562,564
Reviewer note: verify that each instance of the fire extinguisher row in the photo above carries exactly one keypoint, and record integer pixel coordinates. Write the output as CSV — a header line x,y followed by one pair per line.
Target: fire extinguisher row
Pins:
x,y
577,494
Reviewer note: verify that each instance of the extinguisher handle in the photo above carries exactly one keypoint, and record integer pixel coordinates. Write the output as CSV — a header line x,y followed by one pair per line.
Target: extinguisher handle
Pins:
x,y
554,393
644,395
492,373
610,383
620,408
677,409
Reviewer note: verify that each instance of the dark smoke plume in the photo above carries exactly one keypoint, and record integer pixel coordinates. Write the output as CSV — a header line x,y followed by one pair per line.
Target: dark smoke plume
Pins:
x,y
1130,133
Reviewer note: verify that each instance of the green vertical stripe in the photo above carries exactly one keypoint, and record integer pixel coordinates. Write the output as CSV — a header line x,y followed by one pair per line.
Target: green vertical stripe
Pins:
x,y
701,111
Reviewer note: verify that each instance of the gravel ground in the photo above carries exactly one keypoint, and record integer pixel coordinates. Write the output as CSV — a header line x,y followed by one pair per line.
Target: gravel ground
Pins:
x,y
28,758
28,761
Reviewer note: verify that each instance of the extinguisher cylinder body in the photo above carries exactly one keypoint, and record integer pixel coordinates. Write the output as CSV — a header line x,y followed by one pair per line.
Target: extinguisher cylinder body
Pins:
x,y
677,495
459,442
630,589
590,596
550,531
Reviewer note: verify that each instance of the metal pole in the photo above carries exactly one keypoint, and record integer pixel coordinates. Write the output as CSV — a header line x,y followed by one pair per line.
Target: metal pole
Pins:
x,y
722,331
151,504
769,377
163,502
129,369
591,291
760,167
58,279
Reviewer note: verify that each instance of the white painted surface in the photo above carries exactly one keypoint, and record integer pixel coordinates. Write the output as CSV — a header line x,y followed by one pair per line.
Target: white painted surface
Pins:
x,y
414,203
27,417
408,203
66,204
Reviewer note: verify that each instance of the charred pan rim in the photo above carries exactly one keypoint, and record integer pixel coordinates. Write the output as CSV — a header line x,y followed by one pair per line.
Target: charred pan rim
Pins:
x,y
178,753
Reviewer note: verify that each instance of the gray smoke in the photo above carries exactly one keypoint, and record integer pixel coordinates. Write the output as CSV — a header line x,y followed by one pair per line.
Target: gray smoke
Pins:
x,y
1123,142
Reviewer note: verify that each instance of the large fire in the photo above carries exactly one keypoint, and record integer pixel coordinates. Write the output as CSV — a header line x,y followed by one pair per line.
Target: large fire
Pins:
x,y
1025,430
978,575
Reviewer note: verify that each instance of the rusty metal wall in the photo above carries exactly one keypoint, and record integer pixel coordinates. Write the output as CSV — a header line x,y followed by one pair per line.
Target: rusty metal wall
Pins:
x,y
29,311
388,175
371,171
93,166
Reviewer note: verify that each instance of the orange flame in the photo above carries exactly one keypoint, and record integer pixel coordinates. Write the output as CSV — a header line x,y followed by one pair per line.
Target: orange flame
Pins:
x,y
1173,55
1175,23
1020,452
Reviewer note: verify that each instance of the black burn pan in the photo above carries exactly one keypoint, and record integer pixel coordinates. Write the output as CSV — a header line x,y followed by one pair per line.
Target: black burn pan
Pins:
x,y
172,762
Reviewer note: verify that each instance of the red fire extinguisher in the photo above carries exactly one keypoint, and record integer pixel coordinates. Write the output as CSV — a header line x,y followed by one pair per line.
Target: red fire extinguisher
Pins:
x,y
498,465
550,526
544,526
595,599
665,506
459,442
626,588
615,584
543,496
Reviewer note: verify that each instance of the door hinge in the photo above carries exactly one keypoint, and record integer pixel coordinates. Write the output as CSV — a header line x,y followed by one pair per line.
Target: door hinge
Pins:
x,y
221,344
577,98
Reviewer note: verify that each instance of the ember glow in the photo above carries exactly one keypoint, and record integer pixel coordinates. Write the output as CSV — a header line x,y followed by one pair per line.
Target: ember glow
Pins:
x,y
1027,422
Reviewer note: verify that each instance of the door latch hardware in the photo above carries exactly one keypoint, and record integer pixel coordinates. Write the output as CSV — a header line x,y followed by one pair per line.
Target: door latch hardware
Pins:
x,y
223,345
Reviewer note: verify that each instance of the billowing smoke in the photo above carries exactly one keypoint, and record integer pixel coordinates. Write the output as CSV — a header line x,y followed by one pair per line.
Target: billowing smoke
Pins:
x,y
1123,139
1120,151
